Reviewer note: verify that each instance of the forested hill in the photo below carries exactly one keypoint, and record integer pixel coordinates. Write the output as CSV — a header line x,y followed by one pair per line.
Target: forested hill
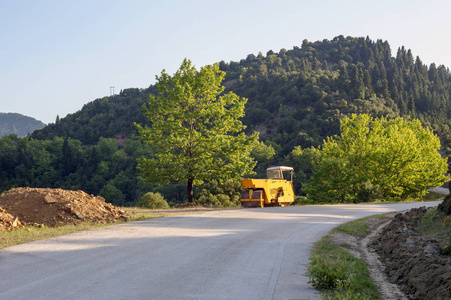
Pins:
x,y
107,117
20,125
296,97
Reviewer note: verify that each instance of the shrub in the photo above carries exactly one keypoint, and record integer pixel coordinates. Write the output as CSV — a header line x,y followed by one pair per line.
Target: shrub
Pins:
x,y
221,195
153,201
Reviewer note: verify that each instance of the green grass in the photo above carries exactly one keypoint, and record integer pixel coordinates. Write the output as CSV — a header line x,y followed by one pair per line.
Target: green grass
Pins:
x,y
345,245
358,227
336,272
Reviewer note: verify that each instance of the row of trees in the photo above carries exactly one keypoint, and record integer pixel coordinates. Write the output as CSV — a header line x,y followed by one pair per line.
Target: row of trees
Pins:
x,y
372,159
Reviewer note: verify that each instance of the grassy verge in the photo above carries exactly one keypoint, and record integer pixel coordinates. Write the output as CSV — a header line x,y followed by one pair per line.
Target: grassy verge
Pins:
x,y
30,233
337,273
357,228
340,275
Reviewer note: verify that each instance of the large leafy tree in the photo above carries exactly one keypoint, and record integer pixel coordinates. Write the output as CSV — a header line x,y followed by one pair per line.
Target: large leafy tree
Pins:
x,y
195,129
377,158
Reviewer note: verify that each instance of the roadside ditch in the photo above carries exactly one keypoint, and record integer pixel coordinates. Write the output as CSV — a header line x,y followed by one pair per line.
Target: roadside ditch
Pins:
x,y
407,255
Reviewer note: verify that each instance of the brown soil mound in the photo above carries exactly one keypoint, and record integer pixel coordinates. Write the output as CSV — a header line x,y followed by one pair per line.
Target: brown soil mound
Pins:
x,y
413,262
56,207
7,221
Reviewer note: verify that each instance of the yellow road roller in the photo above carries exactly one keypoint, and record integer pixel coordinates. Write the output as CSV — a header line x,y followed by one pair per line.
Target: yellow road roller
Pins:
x,y
274,191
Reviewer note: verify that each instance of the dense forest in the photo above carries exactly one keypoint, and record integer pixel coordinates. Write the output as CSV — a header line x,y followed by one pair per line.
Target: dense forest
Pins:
x,y
295,100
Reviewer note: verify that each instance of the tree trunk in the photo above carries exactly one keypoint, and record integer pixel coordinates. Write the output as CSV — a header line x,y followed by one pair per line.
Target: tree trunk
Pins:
x,y
189,190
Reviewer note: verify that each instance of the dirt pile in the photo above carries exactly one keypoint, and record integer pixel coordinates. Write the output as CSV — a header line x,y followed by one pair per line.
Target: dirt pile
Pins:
x,y
56,207
411,261
7,221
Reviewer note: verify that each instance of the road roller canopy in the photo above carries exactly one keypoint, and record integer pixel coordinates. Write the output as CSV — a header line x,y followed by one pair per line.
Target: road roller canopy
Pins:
x,y
276,172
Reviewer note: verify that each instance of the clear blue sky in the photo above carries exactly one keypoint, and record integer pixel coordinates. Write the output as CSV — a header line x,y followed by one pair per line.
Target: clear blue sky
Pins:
x,y
57,55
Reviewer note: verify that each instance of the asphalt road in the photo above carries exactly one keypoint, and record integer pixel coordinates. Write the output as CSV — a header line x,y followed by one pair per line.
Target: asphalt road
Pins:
x,y
440,190
233,254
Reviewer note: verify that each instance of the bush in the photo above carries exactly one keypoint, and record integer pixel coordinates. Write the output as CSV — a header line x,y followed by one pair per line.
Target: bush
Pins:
x,y
220,195
153,201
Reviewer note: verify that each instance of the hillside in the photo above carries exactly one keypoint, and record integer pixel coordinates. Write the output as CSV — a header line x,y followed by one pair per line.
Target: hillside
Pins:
x,y
295,98
20,125
106,117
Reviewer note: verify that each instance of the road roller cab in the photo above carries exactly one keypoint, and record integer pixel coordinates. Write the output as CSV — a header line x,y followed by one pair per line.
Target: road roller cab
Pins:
x,y
274,191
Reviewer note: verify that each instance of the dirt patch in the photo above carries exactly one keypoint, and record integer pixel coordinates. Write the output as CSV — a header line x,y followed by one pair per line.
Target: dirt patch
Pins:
x,y
388,290
56,207
412,261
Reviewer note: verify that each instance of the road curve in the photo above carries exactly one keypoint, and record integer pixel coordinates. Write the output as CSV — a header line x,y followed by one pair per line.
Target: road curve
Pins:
x,y
231,254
